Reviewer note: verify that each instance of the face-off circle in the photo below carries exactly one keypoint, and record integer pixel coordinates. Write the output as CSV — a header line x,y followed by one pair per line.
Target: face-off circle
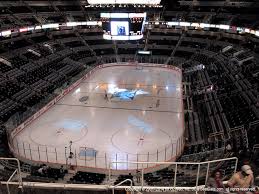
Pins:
x,y
64,131
142,142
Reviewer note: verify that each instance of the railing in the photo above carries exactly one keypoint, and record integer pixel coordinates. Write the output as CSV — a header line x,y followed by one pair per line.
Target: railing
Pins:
x,y
141,59
54,156
199,173
16,171
13,166
127,180
196,173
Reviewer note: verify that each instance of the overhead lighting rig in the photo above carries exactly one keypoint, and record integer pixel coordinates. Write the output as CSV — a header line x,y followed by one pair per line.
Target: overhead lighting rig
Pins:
x,y
123,6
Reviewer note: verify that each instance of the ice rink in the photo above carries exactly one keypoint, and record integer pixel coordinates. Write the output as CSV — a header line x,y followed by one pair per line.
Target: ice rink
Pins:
x,y
118,114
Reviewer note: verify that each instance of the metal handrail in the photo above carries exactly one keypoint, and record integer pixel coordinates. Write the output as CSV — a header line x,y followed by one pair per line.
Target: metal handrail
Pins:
x,y
18,170
24,168
212,161
198,173
126,180
7,184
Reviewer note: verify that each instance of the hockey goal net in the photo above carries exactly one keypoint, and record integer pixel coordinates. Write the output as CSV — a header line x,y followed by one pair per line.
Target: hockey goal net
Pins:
x,y
86,153
136,64
139,66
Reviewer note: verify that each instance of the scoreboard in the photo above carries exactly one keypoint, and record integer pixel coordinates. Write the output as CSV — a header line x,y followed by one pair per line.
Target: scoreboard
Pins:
x,y
123,26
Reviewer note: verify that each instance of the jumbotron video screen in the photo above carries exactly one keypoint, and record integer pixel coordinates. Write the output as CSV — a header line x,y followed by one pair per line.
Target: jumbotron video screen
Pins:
x,y
123,26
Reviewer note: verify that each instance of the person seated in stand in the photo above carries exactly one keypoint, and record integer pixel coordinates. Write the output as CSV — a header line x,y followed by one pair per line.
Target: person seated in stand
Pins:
x,y
228,147
43,170
138,176
62,172
131,178
243,178
246,161
215,182
40,171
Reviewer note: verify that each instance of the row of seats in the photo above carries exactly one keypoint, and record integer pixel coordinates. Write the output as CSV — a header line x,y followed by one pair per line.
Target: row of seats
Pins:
x,y
215,48
202,156
31,56
80,55
199,125
31,178
163,177
26,82
5,68
203,147
194,132
241,117
87,178
50,173
5,174
9,108
250,70
228,104
4,150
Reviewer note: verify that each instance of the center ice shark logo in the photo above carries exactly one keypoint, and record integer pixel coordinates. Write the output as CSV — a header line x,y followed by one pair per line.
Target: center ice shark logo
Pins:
x,y
125,94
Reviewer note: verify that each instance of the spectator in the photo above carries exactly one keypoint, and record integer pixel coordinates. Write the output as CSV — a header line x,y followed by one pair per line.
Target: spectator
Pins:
x,y
62,172
215,182
138,175
229,147
131,178
243,178
43,170
247,161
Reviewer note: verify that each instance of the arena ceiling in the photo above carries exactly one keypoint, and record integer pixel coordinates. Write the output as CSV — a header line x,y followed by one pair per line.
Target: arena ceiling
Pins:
x,y
168,3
